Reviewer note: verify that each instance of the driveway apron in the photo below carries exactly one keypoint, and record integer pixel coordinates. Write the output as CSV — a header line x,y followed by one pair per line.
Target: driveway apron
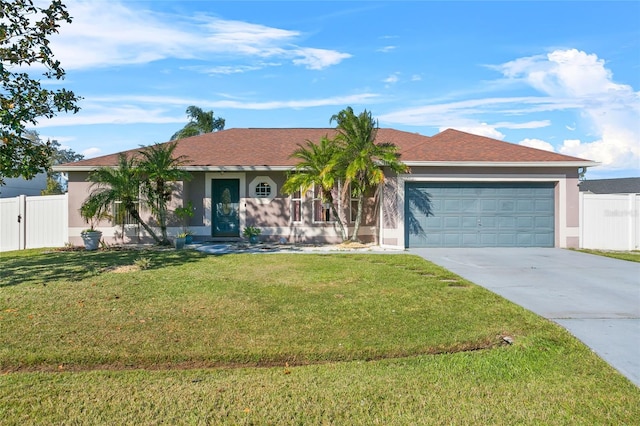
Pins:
x,y
595,298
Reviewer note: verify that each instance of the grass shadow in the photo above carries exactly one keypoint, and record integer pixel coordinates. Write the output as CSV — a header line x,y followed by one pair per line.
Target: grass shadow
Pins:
x,y
50,265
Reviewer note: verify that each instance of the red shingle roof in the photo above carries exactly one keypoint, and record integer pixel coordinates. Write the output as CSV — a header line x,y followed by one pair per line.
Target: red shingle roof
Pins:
x,y
258,148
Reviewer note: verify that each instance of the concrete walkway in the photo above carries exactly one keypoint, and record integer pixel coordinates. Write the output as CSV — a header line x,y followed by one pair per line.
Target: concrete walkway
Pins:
x,y
596,298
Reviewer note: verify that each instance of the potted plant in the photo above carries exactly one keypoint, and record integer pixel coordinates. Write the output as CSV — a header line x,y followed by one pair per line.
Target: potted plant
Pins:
x,y
92,213
252,232
180,240
184,214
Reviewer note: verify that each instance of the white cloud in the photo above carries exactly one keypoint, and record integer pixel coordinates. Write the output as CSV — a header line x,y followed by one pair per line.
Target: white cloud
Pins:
x,y
482,129
230,69
538,144
91,152
386,49
119,34
611,109
569,73
317,59
569,80
527,125
392,79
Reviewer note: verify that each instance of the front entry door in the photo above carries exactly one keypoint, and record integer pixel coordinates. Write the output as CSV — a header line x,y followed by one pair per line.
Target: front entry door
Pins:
x,y
225,195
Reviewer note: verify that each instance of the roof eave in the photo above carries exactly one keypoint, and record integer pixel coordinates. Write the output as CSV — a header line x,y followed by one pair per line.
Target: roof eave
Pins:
x,y
262,168
501,163
267,168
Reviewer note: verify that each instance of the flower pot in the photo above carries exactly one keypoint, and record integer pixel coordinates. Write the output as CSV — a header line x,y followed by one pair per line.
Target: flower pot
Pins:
x,y
91,239
179,242
254,239
188,239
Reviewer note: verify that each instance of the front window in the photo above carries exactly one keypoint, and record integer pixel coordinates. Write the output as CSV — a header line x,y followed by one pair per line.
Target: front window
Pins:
x,y
296,206
321,209
120,216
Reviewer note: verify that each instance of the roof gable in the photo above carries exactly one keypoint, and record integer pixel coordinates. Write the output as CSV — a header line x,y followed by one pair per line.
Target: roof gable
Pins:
x,y
271,148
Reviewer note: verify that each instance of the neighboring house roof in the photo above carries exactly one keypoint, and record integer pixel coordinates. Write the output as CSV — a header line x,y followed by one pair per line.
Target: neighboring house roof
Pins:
x,y
271,148
611,186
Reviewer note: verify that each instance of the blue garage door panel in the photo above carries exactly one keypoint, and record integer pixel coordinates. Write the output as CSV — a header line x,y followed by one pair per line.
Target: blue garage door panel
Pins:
x,y
519,214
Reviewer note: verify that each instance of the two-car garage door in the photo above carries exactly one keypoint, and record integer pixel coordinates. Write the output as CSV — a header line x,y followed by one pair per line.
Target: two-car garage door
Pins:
x,y
466,214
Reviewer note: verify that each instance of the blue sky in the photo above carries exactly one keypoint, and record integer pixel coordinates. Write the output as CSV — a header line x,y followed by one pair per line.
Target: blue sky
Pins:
x,y
562,76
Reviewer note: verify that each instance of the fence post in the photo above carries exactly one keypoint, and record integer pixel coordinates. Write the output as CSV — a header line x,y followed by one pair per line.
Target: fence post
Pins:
x,y
22,221
631,239
581,218
66,218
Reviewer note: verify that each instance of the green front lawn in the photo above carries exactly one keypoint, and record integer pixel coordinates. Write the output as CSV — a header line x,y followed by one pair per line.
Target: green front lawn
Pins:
x,y
282,338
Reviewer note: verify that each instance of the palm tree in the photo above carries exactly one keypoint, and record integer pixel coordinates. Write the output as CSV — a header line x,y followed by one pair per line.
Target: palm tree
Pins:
x,y
120,184
201,122
361,159
159,170
317,167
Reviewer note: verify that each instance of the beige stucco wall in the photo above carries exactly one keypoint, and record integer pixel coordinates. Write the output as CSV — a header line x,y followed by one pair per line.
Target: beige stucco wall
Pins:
x,y
273,215
79,189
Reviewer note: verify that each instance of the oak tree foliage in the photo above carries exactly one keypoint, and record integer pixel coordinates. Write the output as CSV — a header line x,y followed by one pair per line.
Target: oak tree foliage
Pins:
x,y
25,31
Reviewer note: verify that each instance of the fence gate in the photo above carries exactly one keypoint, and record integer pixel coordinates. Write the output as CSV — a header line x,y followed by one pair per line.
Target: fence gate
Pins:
x,y
33,222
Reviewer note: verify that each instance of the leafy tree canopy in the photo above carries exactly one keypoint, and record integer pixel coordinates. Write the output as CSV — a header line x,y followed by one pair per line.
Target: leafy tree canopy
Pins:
x,y
353,157
25,30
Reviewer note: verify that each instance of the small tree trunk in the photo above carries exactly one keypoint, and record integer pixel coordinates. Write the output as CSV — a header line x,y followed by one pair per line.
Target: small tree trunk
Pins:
x,y
343,232
162,210
162,217
356,225
134,213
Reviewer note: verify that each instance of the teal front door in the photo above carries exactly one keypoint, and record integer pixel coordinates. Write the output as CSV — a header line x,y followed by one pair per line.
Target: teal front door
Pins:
x,y
225,194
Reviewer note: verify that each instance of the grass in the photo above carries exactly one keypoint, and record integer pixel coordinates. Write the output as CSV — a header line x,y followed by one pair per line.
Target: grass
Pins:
x,y
632,256
91,338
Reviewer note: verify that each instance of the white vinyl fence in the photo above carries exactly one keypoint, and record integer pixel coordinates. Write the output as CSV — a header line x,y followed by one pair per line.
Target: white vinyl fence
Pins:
x,y
32,222
610,221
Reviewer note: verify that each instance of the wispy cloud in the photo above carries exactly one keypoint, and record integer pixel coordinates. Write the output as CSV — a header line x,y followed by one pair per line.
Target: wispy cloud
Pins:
x,y
386,49
119,34
231,69
168,109
392,79
462,113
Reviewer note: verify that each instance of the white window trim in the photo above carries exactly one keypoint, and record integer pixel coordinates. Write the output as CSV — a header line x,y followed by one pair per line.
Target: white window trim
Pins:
x,y
257,181
292,200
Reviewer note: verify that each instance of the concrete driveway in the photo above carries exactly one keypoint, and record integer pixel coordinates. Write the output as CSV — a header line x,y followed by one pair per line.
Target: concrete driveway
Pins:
x,y
596,298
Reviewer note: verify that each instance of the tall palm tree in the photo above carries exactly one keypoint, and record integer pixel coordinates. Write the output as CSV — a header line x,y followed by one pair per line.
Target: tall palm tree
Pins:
x,y
120,184
317,168
361,159
201,122
159,169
